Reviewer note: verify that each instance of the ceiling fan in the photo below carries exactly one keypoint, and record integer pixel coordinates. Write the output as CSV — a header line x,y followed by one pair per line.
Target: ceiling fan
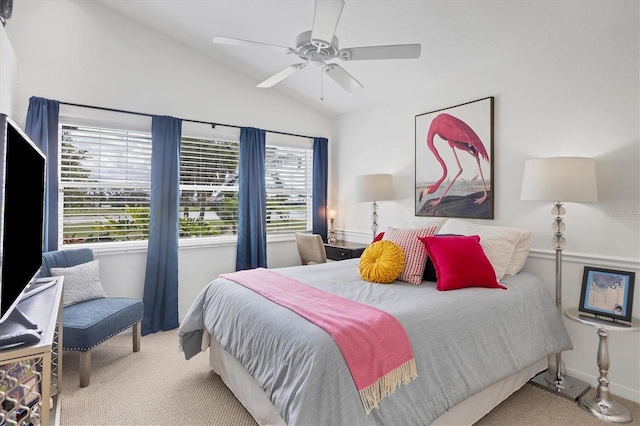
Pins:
x,y
320,45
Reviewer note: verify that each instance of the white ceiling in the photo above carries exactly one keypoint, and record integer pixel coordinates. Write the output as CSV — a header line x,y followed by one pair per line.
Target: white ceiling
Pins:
x,y
456,36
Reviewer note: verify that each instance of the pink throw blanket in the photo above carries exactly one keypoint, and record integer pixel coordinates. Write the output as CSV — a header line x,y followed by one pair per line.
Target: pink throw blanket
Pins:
x,y
374,344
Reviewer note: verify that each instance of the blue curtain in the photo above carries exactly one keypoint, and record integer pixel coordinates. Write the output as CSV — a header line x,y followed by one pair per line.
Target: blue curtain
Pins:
x,y
252,201
161,279
320,183
42,128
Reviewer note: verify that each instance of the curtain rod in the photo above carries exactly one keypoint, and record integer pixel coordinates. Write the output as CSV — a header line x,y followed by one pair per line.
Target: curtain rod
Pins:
x,y
213,125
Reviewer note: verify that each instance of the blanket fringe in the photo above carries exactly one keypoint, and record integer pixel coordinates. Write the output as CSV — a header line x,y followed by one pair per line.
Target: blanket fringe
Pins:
x,y
387,385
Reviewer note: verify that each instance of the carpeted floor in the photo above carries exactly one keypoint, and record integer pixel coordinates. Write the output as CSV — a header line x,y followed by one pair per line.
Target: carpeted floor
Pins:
x,y
156,386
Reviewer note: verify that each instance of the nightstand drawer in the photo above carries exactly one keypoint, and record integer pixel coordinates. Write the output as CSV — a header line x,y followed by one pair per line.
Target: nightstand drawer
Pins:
x,y
342,250
338,253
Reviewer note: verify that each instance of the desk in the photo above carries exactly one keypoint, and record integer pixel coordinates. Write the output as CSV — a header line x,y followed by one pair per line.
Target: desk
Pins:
x,y
44,358
342,250
601,404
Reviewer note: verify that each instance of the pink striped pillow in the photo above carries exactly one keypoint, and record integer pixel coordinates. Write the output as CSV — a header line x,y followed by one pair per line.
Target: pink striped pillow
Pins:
x,y
415,254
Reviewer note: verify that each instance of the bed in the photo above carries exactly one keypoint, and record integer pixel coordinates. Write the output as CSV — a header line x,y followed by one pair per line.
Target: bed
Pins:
x,y
473,347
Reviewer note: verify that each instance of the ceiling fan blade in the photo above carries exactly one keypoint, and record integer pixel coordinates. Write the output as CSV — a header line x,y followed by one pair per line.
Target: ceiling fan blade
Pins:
x,y
325,20
397,51
277,78
246,43
343,78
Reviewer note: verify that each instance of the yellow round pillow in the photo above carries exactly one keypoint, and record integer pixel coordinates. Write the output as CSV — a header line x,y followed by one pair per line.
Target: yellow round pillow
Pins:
x,y
381,262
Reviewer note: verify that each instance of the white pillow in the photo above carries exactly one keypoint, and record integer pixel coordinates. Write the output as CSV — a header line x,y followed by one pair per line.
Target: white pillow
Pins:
x,y
498,242
520,253
81,282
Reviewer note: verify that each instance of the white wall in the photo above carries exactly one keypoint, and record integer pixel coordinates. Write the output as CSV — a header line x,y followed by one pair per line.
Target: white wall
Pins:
x,y
578,98
8,64
82,52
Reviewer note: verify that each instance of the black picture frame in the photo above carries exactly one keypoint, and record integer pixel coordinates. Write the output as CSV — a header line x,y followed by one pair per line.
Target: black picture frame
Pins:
x,y
607,293
454,161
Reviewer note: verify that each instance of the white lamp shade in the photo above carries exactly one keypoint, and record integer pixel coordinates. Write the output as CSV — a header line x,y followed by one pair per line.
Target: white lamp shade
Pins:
x,y
378,187
562,179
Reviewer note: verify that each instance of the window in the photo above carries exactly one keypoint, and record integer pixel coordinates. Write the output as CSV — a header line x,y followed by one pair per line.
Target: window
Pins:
x,y
288,181
105,184
208,187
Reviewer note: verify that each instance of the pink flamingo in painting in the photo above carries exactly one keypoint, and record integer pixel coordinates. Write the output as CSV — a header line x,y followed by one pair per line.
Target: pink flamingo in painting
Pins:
x,y
460,136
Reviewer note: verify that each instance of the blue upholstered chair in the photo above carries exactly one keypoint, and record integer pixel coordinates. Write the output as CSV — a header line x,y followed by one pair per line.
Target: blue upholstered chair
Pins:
x,y
88,323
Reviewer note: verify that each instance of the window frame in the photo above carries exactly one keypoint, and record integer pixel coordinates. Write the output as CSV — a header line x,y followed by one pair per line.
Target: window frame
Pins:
x,y
230,135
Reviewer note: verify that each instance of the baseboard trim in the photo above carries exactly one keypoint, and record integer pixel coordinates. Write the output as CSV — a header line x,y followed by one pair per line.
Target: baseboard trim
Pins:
x,y
615,389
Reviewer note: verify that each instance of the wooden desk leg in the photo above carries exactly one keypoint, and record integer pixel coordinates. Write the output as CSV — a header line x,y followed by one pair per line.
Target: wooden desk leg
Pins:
x,y
601,404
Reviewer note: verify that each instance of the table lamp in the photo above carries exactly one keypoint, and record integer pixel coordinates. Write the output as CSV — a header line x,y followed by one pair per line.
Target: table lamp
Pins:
x,y
332,212
377,187
560,179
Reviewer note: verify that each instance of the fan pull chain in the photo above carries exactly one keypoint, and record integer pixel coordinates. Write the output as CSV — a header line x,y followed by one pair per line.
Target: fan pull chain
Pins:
x,y
322,71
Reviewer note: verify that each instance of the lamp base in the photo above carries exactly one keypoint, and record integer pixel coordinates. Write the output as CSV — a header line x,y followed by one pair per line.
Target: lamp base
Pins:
x,y
610,411
568,387
332,234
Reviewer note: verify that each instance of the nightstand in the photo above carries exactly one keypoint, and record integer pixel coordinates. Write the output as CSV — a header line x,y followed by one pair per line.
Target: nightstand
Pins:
x,y
601,404
342,250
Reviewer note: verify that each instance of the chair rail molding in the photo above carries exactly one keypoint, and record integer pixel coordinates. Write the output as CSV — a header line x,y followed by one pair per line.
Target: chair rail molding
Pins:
x,y
614,262
589,259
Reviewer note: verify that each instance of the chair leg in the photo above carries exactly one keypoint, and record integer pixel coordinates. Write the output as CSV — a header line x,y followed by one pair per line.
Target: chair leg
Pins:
x,y
85,368
137,335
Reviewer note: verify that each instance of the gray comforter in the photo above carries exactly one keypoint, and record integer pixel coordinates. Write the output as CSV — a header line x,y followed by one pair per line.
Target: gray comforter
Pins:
x,y
463,341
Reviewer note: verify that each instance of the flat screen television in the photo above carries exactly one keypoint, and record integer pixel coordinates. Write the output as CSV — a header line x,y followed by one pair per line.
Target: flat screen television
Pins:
x,y
22,187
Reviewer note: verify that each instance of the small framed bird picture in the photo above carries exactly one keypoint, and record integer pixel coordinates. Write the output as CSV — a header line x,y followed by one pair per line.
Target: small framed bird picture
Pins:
x,y
454,161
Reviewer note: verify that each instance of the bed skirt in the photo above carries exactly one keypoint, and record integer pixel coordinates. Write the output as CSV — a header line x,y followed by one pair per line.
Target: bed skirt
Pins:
x,y
255,400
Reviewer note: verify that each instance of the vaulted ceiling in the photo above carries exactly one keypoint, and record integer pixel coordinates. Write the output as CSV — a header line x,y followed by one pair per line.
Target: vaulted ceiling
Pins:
x,y
455,36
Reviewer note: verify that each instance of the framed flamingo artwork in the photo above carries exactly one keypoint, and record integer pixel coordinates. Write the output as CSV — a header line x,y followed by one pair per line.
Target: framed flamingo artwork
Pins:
x,y
454,161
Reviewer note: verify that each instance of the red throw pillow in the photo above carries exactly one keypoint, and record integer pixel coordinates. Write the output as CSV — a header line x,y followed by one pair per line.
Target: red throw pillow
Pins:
x,y
378,237
460,262
430,270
